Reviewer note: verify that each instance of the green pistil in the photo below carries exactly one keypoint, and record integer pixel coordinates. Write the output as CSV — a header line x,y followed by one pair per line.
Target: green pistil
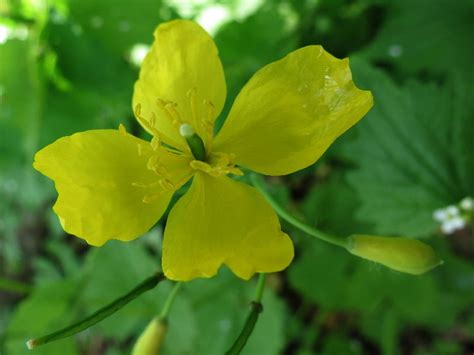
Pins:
x,y
195,142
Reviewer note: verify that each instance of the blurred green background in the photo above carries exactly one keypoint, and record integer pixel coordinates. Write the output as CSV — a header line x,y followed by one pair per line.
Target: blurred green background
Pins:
x,y
68,66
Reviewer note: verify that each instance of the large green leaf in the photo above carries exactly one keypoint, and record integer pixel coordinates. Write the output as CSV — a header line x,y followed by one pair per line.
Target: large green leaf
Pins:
x,y
20,100
413,152
112,271
131,21
419,36
46,309
221,305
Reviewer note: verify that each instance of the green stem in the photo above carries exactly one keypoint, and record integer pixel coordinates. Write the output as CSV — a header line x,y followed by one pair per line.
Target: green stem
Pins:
x,y
162,317
259,184
256,309
260,287
14,286
99,315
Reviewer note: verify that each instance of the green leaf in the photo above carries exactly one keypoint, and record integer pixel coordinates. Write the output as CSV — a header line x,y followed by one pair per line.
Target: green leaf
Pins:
x,y
338,344
403,149
20,100
425,35
329,206
221,305
100,85
104,284
46,309
320,274
113,270
132,22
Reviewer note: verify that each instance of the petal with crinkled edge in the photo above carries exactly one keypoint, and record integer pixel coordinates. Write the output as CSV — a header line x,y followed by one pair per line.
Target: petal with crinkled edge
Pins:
x,y
102,180
181,78
222,221
291,111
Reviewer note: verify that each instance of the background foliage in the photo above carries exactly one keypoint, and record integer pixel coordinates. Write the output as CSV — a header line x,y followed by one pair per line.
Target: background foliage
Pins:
x,y
67,66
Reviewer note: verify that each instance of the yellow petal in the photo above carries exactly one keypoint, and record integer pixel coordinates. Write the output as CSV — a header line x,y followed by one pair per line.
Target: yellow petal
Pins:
x,y
291,111
222,221
102,182
181,79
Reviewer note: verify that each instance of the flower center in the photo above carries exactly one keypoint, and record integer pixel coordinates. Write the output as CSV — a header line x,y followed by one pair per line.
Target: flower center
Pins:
x,y
197,131
199,111
217,164
195,142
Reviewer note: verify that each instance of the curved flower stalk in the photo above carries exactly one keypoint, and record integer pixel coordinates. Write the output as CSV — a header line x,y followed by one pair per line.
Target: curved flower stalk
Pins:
x,y
112,185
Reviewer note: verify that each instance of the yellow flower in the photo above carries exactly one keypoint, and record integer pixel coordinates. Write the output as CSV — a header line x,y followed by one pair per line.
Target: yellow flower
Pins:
x,y
113,185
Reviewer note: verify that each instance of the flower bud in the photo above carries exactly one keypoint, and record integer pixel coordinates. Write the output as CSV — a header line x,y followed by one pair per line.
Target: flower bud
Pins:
x,y
401,254
150,340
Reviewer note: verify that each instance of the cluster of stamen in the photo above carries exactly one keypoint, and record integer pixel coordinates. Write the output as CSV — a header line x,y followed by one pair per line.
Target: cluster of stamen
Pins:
x,y
163,183
215,164
218,164
206,122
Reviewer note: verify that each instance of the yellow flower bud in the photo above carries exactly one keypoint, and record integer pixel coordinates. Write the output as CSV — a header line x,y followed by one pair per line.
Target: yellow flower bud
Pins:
x,y
401,254
150,340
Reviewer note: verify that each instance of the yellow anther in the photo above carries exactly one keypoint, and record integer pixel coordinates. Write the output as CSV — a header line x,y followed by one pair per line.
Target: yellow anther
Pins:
x,y
200,165
146,186
157,166
207,121
153,162
211,110
220,165
153,119
192,101
169,109
122,130
167,185
236,171
143,148
144,122
161,170
155,142
152,197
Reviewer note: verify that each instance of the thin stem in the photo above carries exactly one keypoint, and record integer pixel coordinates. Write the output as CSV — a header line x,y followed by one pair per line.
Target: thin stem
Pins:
x,y
259,184
260,287
14,286
169,301
99,315
256,309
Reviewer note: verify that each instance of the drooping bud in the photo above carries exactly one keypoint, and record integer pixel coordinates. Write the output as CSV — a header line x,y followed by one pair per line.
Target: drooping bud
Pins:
x,y
151,339
402,254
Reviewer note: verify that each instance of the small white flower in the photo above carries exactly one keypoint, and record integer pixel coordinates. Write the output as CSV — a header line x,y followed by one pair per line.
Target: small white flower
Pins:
x,y
439,215
445,214
452,225
452,211
467,203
